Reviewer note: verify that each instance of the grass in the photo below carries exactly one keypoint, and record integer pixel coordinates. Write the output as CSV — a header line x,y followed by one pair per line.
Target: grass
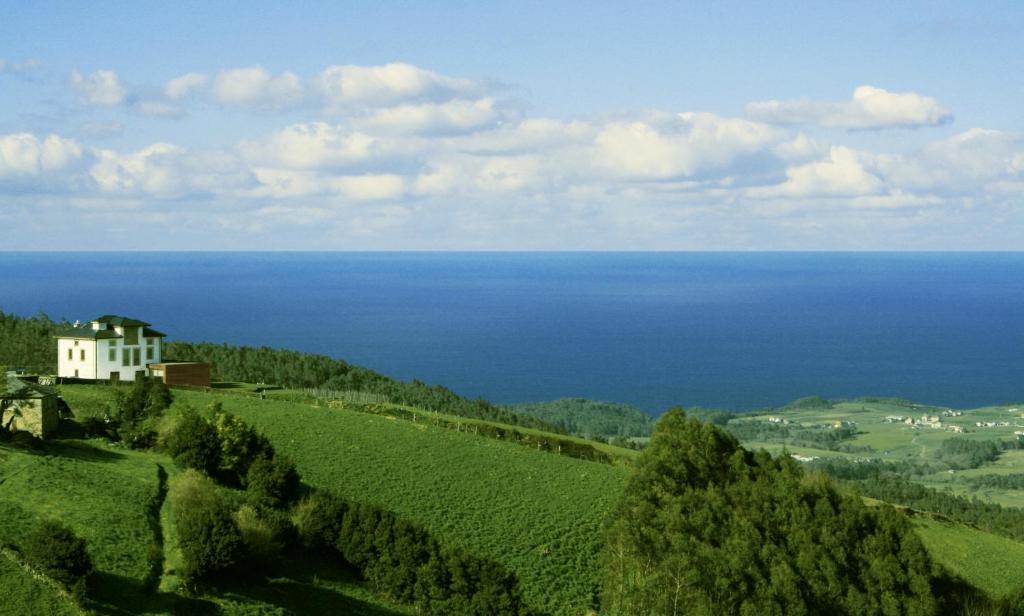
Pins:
x,y
106,494
24,594
540,514
102,494
990,562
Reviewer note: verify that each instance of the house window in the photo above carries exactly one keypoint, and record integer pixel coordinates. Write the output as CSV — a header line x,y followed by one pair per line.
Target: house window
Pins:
x,y
76,343
126,357
112,353
70,356
76,374
136,356
82,355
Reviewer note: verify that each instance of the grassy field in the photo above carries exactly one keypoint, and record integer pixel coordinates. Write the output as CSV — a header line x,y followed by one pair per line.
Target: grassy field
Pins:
x,y
987,561
102,494
538,513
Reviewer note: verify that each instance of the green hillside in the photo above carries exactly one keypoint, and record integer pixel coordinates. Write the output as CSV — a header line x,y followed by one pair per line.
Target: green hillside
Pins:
x,y
536,512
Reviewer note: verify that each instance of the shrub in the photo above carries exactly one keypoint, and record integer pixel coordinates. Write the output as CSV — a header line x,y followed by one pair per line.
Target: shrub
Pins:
x,y
318,519
57,551
273,482
260,537
209,538
240,445
193,442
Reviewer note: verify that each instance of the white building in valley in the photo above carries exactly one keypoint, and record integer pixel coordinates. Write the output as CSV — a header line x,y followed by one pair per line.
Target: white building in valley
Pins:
x,y
108,348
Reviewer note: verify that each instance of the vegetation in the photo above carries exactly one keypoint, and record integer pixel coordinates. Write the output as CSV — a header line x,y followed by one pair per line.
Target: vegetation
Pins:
x,y
821,436
29,344
304,370
54,549
707,527
994,518
960,453
537,514
588,418
209,539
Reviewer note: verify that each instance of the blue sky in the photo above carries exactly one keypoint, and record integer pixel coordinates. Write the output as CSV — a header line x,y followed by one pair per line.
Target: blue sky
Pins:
x,y
546,125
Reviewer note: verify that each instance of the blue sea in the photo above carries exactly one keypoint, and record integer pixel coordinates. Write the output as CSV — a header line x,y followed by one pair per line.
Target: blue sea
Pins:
x,y
724,330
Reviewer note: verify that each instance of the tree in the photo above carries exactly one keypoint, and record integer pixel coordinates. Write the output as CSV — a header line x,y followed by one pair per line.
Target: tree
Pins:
x,y
707,527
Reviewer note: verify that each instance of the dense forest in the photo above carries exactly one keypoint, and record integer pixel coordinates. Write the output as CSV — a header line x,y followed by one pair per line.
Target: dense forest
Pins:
x,y
28,343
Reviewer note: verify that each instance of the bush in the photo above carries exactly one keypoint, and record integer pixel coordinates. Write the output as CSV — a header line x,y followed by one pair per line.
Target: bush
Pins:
x,y
318,519
240,445
273,483
209,538
57,551
193,442
260,536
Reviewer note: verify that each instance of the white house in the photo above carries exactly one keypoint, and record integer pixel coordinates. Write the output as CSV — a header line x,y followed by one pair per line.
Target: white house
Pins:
x,y
108,348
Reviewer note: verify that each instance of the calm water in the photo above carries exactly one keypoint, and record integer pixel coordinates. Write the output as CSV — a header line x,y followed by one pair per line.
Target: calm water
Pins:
x,y
737,330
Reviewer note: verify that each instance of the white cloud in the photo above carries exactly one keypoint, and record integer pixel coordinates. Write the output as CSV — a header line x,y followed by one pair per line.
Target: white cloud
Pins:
x,y
180,87
841,175
347,85
293,183
312,145
100,88
153,170
960,163
869,108
255,87
455,116
683,145
25,154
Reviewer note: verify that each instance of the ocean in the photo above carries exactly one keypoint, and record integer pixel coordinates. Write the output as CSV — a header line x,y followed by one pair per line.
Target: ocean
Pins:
x,y
719,330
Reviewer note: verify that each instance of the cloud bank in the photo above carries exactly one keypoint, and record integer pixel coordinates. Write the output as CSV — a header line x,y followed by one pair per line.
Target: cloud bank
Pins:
x,y
398,156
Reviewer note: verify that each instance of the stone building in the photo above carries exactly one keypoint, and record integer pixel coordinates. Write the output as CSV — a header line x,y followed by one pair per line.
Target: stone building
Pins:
x,y
28,406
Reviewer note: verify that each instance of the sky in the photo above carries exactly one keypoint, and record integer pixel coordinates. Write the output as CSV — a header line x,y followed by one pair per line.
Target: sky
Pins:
x,y
512,126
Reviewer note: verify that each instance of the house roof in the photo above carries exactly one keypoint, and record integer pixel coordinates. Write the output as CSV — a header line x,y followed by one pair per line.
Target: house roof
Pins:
x,y
18,388
87,332
113,319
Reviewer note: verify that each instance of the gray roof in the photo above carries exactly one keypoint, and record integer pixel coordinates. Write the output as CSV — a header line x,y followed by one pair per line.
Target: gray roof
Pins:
x,y
87,332
113,319
20,388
